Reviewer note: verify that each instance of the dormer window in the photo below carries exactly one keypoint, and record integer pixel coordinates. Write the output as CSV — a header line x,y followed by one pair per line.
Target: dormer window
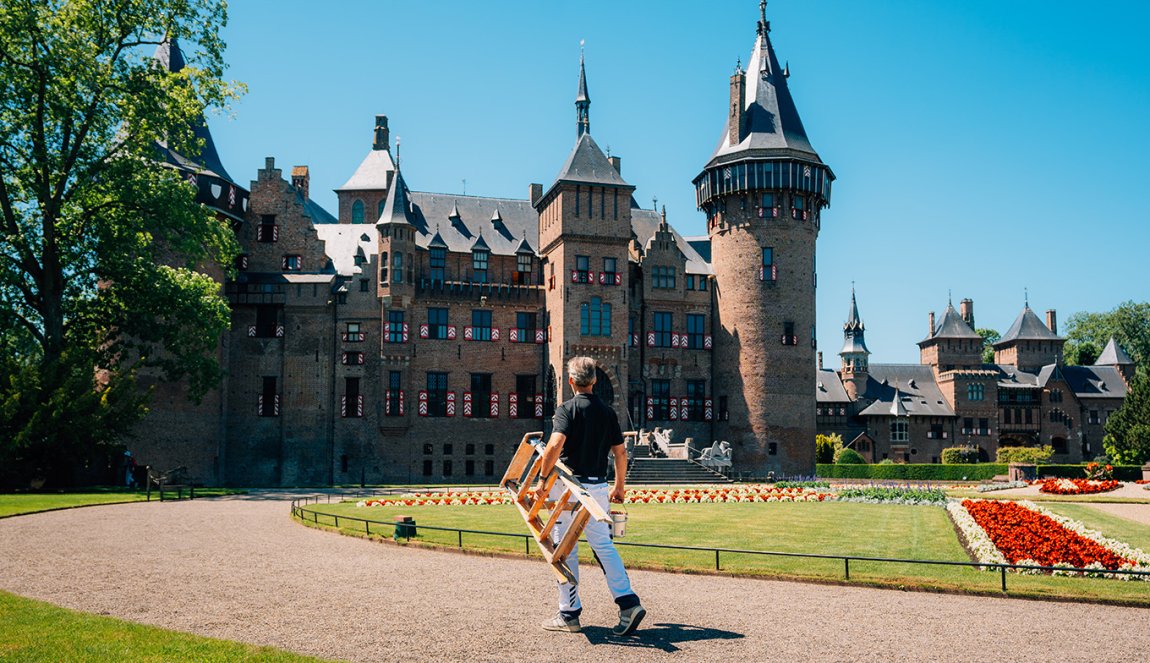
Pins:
x,y
357,212
438,262
479,262
523,265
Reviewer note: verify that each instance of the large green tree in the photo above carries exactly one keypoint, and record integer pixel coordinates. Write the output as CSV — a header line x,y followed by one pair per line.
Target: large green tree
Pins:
x,y
1127,438
989,338
104,251
1088,333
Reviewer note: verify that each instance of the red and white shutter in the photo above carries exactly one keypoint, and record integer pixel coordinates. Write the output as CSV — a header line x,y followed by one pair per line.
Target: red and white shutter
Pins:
x,y
359,405
402,404
650,407
468,334
674,409
451,403
422,403
602,278
276,405
424,330
618,278
707,342
513,405
387,404
674,339
494,406
405,332
513,335
451,333
540,336
708,410
539,406
279,331
574,276
650,339
467,403
359,358
260,405
684,409
495,333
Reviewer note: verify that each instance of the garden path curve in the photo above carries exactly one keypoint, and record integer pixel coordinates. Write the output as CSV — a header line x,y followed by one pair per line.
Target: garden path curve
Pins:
x,y
240,568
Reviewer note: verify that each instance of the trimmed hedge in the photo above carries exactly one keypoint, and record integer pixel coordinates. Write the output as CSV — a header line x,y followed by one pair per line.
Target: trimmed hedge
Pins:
x,y
979,472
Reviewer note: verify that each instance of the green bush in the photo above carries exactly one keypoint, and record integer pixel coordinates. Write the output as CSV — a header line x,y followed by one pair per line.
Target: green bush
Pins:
x,y
960,456
979,472
826,446
1030,455
886,461
848,457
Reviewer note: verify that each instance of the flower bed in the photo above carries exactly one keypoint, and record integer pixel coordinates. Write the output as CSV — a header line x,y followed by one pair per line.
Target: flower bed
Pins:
x,y
707,495
991,487
1077,486
1024,533
894,495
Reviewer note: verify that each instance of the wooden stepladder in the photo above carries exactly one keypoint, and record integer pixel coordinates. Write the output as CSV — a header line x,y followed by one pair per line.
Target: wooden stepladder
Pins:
x,y
542,513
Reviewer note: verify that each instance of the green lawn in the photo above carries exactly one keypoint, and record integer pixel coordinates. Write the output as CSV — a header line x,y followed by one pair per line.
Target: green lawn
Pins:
x,y
24,503
37,631
832,528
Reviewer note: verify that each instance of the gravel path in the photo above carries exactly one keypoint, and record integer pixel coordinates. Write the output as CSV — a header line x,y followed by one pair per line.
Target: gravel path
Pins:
x,y
1139,513
241,569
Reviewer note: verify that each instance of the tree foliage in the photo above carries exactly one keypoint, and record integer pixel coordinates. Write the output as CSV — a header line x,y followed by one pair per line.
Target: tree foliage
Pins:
x,y
1088,333
104,251
989,338
826,446
1127,439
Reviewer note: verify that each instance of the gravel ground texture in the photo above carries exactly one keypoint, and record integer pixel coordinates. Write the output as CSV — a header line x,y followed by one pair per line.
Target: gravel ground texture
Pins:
x,y
1139,513
240,568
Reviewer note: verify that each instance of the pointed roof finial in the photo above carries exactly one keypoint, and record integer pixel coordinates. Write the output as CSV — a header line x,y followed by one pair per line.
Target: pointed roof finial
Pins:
x,y
1026,297
398,140
949,298
582,98
664,215
764,27
654,202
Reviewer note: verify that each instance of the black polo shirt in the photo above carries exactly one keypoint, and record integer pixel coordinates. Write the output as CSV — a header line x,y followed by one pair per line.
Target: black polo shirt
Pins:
x,y
592,428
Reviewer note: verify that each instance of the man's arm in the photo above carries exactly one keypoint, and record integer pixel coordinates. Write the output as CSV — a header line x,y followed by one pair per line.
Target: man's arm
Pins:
x,y
551,453
618,492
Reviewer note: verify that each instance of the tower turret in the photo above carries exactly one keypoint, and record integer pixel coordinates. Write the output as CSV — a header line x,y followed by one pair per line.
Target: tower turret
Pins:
x,y
582,101
855,355
763,191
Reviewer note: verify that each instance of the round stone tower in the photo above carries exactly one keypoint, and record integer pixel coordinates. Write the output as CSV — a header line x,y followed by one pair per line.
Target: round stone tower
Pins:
x,y
763,192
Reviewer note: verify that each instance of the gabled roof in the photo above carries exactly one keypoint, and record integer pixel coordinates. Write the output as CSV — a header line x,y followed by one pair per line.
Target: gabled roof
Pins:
x,y
479,244
1095,381
1113,355
373,174
437,241
911,385
772,122
951,325
829,387
171,57
397,210
458,221
1027,327
644,223
524,247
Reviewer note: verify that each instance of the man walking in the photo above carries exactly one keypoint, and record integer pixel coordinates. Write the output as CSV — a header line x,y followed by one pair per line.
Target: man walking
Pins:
x,y
585,429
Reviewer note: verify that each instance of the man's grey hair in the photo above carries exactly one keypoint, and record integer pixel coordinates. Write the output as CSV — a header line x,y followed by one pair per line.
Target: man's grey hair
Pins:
x,y
581,370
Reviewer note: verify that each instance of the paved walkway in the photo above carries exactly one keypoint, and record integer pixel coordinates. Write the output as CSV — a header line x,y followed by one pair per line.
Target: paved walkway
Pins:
x,y
241,569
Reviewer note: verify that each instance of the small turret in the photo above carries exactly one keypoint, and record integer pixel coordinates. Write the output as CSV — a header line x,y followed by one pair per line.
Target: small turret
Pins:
x,y
582,100
855,355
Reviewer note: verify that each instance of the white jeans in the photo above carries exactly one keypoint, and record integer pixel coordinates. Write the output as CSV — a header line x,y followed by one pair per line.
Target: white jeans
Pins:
x,y
599,536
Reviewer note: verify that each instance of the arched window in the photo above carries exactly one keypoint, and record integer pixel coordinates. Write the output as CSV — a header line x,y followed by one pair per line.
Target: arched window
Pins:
x,y
357,212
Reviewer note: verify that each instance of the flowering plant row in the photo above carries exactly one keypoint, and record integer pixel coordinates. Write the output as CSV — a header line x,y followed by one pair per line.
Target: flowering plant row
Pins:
x,y
894,495
1077,486
1099,472
991,487
1023,533
764,493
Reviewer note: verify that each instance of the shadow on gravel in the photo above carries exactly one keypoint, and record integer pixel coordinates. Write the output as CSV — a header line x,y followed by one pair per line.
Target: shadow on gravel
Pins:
x,y
663,637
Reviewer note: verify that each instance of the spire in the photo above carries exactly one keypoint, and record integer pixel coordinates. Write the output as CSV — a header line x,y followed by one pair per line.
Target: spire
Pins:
x,y
1113,355
397,210
854,342
582,99
764,27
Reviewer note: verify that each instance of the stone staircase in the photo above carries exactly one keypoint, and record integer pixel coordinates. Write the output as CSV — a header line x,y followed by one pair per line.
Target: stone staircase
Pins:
x,y
668,471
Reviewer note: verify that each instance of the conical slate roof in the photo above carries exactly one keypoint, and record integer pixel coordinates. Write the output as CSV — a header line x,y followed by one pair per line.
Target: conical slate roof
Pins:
x,y
437,241
1113,355
588,165
853,331
525,247
397,210
772,122
1027,327
582,94
480,244
951,325
171,57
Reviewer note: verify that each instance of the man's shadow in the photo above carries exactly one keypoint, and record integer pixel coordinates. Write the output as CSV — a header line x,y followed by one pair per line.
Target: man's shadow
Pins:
x,y
663,637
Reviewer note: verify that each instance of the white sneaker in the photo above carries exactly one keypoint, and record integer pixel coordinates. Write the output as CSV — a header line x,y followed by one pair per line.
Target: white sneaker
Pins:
x,y
558,623
629,620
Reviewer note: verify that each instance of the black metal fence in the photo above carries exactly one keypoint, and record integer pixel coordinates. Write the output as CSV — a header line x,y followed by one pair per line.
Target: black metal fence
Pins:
x,y
304,514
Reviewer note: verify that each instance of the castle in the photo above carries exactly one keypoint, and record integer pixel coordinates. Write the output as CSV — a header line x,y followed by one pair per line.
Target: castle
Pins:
x,y
1026,397
414,336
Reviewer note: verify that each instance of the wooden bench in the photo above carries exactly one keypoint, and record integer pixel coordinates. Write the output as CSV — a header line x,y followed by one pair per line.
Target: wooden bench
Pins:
x,y
176,480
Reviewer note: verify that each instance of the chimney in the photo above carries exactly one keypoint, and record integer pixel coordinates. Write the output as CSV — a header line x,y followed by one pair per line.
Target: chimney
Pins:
x,y
300,179
1052,321
966,308
931,332
382,134
536,193
820,360
738,107
617,162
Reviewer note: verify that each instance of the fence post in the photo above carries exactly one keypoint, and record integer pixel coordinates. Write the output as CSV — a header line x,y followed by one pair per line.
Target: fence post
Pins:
x,y
847,567
337,522
1003,570
460,538
716,559
527,546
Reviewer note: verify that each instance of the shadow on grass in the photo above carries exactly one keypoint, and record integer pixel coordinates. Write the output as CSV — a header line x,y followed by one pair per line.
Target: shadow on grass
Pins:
x,y
663,637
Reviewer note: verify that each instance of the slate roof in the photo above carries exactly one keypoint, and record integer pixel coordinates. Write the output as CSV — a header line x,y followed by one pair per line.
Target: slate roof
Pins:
x,y
314,210
1027,327
436,212
1095,381
1113,355
397,208
586,164
829,387
912,384
702,246
373,173
772,120
1010,377
853,331
951,325
170,56
644,223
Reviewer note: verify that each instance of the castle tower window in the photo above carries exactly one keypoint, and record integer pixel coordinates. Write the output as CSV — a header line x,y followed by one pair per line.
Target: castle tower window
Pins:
x,y
799,208
660,400
610,268
363,285
768,271
469,468
489,468
984,426
525,386
789,337
899,430
292,263
525,326
267,320
352,405
595,318
767,206
975,392
437,394
357,212
447,469
437,323
269,400
395,327
523,264
696,393
481,395
410,268
663,322
267,231
397,268
437,259
479,262
695,330
663,278
481,325
383,270
582,269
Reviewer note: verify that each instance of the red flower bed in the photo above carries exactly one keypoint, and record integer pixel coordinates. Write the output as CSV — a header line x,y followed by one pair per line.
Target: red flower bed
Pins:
x,y
1021,534
1077,486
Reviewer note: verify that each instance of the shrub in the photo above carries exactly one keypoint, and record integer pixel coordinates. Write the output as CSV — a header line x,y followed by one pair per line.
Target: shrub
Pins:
x,y
802,484
893,494
960,455
1030,455
848,457
886,461
826,446
979,472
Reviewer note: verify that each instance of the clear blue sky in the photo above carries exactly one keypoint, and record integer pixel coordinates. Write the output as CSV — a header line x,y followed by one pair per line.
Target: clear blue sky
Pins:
x,y
981,147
